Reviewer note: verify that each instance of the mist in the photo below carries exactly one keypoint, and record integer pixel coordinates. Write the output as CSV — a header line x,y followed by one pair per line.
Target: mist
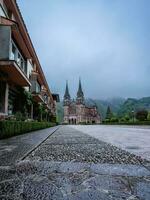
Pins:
x,y
105,42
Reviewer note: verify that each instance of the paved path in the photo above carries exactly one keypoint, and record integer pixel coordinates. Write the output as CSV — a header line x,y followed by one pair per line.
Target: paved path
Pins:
x,y
15,148
135,139
71,165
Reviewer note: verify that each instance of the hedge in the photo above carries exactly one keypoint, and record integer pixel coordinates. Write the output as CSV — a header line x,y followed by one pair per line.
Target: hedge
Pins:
x,y
128,123
12,128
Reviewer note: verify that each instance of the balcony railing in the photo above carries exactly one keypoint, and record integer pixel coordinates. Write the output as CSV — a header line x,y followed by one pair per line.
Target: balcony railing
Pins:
x,y
18,57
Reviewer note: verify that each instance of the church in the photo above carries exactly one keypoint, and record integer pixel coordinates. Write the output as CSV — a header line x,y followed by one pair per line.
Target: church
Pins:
x,y
76,111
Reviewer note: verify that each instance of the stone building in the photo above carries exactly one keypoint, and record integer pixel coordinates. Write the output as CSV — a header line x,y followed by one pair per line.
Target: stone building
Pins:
x,y
76,111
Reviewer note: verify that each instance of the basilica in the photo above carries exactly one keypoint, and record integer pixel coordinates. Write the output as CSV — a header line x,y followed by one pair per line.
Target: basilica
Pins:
x,y
76,111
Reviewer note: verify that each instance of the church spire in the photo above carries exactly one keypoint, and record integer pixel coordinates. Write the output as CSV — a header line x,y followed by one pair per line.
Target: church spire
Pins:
x,y
80,94
67,95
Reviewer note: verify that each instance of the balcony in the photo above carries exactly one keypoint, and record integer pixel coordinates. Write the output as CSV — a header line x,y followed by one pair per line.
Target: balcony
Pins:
x,y
14,73
37,97
12,60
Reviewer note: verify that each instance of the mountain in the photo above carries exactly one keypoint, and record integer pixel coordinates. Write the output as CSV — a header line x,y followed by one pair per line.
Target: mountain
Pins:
x,y
114,103
132,104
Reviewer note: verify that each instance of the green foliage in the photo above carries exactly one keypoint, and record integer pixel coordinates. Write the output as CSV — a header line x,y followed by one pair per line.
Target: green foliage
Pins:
x,y
102,105
128,123
18,116
12,128
28,98
22,102
106,121
60,112
141,115
133,104
109,114
114,119
148,117
53,119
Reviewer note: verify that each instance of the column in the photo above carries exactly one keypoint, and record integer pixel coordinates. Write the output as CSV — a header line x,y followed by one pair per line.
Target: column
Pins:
x,y
6,98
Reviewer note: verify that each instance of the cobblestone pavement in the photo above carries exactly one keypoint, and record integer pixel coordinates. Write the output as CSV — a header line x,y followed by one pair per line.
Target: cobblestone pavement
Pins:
x,y
14,148
71,165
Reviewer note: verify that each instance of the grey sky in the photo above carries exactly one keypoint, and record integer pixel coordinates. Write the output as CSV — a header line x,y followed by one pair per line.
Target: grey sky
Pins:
x,y
105,42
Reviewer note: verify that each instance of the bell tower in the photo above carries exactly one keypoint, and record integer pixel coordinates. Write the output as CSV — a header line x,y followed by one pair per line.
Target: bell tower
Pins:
x,y
66,104
80,104
67,98
80,94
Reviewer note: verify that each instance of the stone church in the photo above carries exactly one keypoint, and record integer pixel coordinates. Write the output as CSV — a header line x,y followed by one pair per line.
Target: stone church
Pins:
x,y
76,111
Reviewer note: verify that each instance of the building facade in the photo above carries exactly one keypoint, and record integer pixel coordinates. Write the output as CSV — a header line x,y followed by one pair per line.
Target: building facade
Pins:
x,y
20,71
76,111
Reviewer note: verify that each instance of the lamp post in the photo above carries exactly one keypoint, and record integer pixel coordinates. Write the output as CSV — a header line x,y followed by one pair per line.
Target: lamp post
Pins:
x,y
133,115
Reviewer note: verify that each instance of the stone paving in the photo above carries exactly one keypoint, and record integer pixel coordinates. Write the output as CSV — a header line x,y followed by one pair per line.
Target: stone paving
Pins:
x,y
134,139
14,148
71,165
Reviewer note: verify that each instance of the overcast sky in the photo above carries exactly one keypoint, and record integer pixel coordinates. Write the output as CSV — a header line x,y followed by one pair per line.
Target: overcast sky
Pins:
x,y
105,42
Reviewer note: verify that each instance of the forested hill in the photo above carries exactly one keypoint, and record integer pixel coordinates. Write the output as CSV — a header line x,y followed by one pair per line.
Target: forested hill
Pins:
x,y
114,103
133,105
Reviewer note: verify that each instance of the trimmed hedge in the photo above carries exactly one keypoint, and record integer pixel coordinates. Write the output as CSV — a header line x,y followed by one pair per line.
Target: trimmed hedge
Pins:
x,y
128,123
13,128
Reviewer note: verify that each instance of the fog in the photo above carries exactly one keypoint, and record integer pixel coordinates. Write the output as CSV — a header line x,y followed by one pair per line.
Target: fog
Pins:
x,y
105,42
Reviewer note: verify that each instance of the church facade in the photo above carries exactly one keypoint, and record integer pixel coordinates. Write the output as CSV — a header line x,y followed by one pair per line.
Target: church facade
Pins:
x,y
76,111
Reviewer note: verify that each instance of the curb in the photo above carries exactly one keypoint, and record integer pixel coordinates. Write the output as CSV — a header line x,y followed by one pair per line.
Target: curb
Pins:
x,y
29,152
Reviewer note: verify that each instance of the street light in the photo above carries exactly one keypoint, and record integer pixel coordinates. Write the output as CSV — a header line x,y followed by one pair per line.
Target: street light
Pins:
x,y
133,115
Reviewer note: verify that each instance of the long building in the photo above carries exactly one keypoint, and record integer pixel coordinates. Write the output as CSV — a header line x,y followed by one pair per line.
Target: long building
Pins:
x,y
21,75
76,111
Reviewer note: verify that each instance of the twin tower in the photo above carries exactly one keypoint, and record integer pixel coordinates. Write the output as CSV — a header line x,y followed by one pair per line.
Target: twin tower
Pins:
x,y
76,112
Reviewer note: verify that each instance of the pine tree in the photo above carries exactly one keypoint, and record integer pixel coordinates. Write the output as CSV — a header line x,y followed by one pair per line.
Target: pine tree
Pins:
x,y
109,113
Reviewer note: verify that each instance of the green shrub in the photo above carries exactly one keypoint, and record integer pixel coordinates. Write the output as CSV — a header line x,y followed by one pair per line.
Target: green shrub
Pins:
x,y
114,119
18,116
12,128
142,115
107,121
128,123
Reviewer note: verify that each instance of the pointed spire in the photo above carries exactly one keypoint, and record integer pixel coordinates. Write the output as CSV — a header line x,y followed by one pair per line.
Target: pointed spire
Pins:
x,y
80,94
67,95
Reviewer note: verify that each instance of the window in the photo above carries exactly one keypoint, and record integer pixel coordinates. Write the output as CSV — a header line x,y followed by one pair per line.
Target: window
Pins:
x,y
2,13
13,52
38,87
25,68
19,59
22,63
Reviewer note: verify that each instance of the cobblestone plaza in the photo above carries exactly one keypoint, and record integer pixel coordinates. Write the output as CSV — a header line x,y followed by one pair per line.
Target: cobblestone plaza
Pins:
x,y
66,163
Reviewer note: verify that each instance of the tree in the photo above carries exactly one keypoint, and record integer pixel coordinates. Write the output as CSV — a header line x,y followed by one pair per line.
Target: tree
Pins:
x,y
148,117
109,113
142,115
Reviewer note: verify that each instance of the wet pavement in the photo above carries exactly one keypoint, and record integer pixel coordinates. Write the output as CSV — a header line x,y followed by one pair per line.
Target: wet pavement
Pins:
x,y
135,139
71,165
15,148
